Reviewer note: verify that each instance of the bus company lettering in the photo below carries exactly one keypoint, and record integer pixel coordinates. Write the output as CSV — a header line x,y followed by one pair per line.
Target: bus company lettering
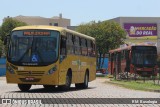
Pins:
x,y
74,63
83,63
36,33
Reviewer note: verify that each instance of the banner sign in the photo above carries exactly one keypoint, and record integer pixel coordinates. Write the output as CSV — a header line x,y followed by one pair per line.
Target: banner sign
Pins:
x,y
40,101
139,30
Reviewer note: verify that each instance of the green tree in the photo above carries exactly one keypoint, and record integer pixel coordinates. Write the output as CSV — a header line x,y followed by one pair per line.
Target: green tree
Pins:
x,y
108,35
7,26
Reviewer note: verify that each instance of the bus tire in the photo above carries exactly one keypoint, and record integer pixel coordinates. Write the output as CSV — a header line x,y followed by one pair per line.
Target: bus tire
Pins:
x,y
49,87
24,87
83,85
67,83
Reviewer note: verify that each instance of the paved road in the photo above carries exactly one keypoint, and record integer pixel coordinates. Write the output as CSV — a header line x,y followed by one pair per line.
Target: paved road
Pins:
x,y
97,89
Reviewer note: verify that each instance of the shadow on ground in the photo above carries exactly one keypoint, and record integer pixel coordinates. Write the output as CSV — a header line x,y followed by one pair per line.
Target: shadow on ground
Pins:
x,y
56,90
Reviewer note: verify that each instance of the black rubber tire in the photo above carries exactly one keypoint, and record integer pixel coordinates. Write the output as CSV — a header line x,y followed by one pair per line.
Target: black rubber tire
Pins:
x,y
83,85
24,87
67,84
49,87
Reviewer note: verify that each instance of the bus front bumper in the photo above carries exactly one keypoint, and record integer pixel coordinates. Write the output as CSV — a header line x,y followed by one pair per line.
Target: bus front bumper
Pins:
x,y
35,80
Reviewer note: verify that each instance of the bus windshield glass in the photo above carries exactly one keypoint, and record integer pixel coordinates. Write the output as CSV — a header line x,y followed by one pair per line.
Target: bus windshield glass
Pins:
x,y
145,56
33,47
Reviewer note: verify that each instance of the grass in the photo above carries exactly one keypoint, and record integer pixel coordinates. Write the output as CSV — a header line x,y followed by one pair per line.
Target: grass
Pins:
x,y
105,75
136,85
100,76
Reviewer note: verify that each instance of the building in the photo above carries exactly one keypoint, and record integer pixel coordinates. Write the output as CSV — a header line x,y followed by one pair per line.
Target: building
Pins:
x,y
72,27
37,20
140,29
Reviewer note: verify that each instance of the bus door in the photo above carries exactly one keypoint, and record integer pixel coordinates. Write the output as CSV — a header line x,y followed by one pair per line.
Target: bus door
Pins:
x,y
114,63
118,63
111,63
127,69
62,57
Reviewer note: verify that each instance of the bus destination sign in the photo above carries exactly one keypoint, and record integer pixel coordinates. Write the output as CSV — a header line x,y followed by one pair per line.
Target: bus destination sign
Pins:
x,y
36,33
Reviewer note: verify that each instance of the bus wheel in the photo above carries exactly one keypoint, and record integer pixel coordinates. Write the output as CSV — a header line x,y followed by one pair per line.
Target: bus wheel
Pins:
x,y
68,82
85,84
24,87
49,87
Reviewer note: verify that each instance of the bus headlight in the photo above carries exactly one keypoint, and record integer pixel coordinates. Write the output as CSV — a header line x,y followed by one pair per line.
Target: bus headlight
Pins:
x,y
52,70
10,70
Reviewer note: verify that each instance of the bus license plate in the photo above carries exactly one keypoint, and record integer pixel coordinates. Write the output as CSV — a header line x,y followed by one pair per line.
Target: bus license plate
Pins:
x,y
29,78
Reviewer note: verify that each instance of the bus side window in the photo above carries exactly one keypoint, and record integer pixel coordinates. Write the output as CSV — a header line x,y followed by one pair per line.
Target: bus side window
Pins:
x,y
89,48
73,46
86,45
80,44
73,39
63,49
93,46
77,45
70,41
83,47
63,46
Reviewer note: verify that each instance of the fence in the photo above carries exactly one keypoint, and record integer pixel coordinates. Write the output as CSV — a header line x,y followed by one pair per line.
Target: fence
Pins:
x,y
2,66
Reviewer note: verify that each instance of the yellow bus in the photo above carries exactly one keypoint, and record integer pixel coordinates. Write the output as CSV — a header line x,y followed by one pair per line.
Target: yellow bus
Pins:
x,y
50,56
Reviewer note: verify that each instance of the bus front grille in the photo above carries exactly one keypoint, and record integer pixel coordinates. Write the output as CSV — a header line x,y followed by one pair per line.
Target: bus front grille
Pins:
x,y
30,73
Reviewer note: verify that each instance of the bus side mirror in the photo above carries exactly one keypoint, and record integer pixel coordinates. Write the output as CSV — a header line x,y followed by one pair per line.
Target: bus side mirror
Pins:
x,y
6,39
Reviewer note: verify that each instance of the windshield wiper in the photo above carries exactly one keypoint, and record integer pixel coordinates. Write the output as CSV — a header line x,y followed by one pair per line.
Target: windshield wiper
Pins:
x,y
26,52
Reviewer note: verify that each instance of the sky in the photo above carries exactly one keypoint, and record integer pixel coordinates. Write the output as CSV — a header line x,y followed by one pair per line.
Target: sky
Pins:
x,y
80,11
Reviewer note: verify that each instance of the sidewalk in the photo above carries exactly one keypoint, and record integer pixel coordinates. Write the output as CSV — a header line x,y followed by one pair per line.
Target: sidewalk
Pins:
x,y
2,78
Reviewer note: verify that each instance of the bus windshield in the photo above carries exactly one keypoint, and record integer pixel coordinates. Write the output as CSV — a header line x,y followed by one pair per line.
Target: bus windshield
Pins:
x,y
33,47
144,57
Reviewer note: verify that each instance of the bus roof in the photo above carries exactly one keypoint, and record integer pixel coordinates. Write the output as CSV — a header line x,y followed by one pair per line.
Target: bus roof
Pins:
x,y
128,47
60,29
120,49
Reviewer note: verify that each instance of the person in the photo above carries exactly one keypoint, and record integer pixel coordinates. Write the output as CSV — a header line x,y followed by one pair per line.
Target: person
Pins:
x,y
147,59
